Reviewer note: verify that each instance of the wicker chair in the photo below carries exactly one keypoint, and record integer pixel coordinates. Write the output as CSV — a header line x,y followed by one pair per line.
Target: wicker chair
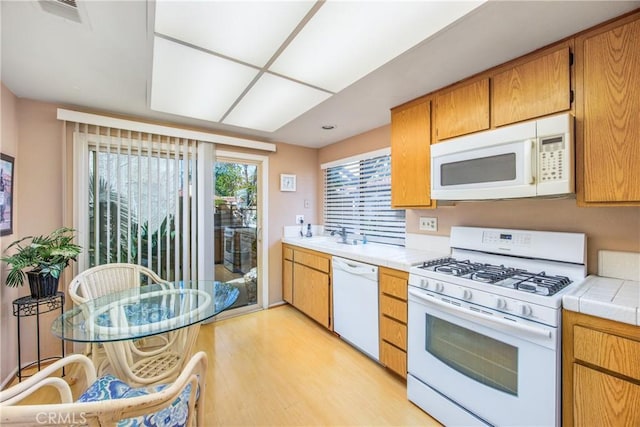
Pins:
x,y
108,278
107,401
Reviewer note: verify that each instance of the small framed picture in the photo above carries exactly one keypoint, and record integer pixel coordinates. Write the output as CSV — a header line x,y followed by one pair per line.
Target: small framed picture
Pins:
x,y
6,194
287,182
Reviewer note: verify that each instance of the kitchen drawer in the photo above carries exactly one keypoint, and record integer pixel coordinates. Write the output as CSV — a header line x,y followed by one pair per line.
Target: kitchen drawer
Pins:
x,y
394,285
312,260
394,332
602,399
393,358
393,307
287,253
611,352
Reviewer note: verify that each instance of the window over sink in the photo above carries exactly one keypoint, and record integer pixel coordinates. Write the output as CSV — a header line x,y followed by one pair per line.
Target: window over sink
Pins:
x,y
357,196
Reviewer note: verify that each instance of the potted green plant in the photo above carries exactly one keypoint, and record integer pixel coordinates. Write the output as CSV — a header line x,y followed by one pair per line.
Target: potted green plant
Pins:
x,y
46,256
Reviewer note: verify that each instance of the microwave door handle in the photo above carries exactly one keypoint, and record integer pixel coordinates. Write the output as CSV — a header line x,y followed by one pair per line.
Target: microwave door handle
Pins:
x,y
528,161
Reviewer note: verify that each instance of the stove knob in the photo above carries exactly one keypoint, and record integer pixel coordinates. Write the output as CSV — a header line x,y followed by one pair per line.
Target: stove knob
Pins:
x,y
424,283
439,287
500,303
466,294
524,309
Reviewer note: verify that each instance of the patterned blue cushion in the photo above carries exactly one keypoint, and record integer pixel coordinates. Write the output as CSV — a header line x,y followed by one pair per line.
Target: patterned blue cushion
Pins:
x,y
138,314
109,387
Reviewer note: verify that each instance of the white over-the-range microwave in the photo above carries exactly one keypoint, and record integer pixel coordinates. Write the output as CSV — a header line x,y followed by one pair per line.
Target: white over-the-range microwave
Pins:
x,y
529,159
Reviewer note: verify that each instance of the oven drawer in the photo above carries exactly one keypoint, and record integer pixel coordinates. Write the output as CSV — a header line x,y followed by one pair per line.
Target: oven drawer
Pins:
x,y
393,358
394,332
608,351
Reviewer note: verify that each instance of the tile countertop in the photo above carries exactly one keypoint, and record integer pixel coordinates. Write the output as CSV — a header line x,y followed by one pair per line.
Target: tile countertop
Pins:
x,y
390,256
614,294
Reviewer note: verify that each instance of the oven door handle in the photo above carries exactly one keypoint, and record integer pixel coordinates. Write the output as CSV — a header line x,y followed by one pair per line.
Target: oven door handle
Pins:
x,y
482,318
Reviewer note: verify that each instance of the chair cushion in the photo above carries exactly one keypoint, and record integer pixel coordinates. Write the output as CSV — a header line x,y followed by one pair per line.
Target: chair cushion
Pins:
x,y
109,387
138,314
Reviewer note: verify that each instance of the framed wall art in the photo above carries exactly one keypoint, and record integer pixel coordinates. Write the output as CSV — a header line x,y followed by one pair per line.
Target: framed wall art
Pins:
x,y
287,182
6,194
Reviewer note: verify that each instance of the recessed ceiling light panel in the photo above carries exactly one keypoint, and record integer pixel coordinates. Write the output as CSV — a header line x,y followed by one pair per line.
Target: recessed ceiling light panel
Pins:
x,y
273,102
192,83
250,31
344,41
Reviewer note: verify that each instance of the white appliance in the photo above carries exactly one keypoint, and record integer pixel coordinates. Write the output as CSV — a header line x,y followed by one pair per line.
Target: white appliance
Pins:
x,y
484,326
524,160
355,304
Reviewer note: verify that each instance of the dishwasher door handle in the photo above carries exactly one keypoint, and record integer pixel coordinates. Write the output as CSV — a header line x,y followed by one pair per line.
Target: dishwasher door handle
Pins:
x,y
353,268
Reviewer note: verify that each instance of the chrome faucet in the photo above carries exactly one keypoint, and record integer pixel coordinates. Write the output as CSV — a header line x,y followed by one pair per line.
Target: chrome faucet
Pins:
x,y
342,233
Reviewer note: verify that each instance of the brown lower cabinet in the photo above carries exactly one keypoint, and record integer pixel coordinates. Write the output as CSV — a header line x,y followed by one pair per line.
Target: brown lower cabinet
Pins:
x,y
306,282
393,319
601,372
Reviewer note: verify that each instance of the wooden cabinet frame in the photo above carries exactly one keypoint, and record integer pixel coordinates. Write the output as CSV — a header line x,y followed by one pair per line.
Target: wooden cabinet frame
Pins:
x,y
411,155
306,283
600,358
393,319
624,175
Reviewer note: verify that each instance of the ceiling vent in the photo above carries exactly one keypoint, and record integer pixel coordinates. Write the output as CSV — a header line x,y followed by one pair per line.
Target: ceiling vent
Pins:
x,y
67,9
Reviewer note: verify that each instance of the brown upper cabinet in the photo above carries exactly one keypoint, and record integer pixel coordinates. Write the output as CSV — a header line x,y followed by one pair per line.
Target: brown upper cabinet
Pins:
x,y
532,89
608,93
410,155
463,109
606,84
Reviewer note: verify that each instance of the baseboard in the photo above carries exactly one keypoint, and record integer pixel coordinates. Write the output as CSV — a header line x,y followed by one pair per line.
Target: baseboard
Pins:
x,y
277,304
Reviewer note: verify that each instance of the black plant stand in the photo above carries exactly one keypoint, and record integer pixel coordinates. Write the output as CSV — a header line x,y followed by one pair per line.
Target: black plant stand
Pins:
x,y
29,306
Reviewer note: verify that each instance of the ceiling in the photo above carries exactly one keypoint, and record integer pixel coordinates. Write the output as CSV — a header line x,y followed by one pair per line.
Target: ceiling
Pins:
x,y
105,62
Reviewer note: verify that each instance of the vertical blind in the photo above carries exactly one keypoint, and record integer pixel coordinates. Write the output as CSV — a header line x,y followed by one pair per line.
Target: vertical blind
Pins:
x,y
357,196
140,208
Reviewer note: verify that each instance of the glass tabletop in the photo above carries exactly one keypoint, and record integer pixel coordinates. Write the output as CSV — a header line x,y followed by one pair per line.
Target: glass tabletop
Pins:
x,y
144,311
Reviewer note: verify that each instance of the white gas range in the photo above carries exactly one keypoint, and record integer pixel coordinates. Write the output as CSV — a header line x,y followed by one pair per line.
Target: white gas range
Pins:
x,y
484,326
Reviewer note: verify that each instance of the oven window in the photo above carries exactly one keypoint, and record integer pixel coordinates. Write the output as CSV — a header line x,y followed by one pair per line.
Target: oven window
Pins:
x,y
477,356
485,169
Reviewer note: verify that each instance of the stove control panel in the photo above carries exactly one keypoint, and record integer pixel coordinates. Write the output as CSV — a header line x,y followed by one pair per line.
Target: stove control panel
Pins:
x,y
492,237
505,304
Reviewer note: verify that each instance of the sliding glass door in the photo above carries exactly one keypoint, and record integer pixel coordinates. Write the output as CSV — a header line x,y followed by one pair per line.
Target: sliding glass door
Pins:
x,y
237,223
174,205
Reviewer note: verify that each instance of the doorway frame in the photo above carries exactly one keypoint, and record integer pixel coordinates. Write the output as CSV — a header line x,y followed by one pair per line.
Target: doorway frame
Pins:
x,y
262,163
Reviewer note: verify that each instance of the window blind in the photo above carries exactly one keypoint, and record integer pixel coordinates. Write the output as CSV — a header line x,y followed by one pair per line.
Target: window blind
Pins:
x,y
138,189
357,196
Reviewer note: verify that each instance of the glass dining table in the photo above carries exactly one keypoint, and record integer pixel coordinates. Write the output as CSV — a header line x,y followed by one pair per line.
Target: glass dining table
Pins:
x,y
119,321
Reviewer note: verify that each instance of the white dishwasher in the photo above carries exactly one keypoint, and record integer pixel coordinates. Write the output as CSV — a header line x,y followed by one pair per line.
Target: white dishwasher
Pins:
x,y
355,304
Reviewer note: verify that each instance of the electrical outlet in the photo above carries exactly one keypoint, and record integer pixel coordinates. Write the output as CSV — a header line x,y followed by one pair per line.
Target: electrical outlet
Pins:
x,y
299,219
428,223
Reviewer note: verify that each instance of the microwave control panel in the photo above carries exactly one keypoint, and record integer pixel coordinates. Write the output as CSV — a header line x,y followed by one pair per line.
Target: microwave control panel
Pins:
x,y
552,158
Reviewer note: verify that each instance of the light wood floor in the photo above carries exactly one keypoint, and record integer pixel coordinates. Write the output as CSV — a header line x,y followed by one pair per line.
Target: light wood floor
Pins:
x,y
279,368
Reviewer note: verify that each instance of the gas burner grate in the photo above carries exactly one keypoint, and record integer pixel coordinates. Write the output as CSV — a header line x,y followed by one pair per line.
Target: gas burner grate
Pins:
x,y
493,273
451,266
540,283
499,275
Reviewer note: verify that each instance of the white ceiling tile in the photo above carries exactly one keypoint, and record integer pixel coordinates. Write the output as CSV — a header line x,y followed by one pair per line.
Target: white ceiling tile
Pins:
x,y
250,31
344,41
192,83
272,102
